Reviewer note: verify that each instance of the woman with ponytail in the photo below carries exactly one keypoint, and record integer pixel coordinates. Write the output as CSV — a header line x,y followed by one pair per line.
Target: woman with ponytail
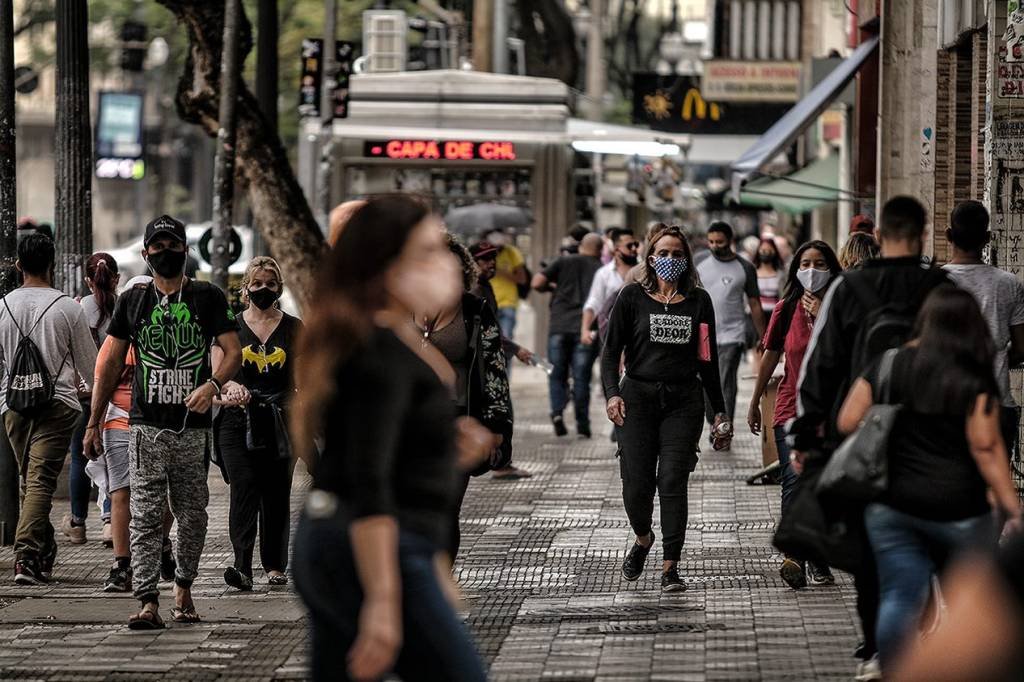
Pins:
x,y
101,276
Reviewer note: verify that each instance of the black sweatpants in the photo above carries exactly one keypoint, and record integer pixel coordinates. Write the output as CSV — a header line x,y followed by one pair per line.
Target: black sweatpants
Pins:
x,y
261,483
657,451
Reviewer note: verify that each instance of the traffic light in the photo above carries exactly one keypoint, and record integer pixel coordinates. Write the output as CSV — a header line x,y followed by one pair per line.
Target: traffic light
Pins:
x,y
133,45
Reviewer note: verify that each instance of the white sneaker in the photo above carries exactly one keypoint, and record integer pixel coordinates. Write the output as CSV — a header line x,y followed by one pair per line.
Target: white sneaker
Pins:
x,y
869,670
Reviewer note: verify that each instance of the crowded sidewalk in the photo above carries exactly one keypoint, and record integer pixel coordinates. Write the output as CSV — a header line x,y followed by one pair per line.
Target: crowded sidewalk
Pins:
x,y
540,572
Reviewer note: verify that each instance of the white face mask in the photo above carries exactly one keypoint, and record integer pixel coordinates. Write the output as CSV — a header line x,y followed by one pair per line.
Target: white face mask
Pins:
x,y
813,280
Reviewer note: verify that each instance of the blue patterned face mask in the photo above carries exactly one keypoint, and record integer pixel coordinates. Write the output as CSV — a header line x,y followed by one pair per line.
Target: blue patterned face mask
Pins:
x,y
669,269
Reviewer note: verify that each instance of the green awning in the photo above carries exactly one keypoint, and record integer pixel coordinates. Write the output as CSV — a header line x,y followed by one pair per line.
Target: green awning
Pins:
x,y
801,191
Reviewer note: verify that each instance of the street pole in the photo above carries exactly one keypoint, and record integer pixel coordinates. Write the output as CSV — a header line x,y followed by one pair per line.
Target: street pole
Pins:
x,y
266,84
500,45
8,248
73,146
329,67
224,166
595,61
483,35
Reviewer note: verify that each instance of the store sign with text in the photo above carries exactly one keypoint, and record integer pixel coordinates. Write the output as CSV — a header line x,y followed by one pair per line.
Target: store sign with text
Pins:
x,y
440,150
120,143
678,104
728,81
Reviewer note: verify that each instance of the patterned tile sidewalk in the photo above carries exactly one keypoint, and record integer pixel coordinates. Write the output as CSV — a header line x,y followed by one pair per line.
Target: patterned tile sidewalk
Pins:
x,y
540,577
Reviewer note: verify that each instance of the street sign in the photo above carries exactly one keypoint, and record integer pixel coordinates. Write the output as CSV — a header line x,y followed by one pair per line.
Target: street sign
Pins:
x,y
311,77
119,136
234,246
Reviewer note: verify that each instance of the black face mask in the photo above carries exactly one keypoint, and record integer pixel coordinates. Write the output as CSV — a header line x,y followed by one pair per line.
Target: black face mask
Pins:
x,y
167,263
629,259
263,298
722,252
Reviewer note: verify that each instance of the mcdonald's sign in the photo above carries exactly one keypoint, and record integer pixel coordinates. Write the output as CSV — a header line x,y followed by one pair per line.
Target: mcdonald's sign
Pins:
x,y
677,104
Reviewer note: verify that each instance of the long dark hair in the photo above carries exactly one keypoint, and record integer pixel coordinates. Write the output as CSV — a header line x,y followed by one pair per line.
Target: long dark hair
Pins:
x,y
348,292
775,260
649,281
955,354
101,269
794,290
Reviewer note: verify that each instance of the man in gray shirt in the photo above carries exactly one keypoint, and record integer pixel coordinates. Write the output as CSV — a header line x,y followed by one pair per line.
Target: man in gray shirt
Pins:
x,y
1000,295
732,283
40,436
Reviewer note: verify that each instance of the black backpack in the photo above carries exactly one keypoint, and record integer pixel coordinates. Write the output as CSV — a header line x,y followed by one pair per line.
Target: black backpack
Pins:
x,y
30,387
887,324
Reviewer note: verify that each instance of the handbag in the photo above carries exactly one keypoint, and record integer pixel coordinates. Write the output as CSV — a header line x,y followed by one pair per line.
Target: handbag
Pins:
x,y
858,471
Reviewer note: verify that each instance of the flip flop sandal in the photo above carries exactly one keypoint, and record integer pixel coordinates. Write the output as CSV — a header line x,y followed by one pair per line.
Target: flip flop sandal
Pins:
x,y
146,620
179,615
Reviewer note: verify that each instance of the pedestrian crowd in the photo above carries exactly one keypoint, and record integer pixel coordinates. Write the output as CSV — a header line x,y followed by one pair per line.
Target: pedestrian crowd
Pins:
x,y
887,381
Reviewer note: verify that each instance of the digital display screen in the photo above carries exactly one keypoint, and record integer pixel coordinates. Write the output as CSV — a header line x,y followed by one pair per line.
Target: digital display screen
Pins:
x,y
441,150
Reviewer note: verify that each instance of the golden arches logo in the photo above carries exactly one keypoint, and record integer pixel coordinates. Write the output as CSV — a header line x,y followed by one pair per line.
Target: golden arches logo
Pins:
x,y
694,100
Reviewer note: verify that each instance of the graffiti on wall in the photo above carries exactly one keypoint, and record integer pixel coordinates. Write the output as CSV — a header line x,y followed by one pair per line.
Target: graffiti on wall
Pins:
x,y
1013,37
1007,199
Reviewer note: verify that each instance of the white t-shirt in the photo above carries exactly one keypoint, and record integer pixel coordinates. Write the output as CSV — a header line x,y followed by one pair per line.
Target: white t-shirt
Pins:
x,y
1001,297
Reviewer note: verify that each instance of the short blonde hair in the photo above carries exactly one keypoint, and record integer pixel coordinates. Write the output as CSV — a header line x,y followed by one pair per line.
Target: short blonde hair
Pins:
x,y
260,263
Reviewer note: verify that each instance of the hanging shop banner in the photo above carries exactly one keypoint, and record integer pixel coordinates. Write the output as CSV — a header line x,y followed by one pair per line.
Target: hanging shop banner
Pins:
x,y
119,136
728,81
677,104
312,74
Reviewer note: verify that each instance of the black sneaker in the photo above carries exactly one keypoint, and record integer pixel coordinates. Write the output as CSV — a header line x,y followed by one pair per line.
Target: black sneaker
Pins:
x,y
119,580
671,582
819,575
559,424
47,560
238,580
792,571
168,566
583,430
27,572
633,564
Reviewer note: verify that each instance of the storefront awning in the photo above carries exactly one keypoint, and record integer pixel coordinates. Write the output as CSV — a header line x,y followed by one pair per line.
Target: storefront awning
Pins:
x,y
789,127
799,192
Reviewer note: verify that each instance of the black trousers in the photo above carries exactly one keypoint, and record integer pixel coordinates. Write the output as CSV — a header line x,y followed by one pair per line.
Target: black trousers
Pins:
x,y
261,484
657,451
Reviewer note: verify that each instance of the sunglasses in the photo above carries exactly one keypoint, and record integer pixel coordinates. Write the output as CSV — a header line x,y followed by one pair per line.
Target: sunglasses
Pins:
x,y
632,245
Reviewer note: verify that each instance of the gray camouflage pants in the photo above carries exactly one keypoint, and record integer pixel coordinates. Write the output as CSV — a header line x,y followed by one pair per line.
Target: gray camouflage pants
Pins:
x,y
172,466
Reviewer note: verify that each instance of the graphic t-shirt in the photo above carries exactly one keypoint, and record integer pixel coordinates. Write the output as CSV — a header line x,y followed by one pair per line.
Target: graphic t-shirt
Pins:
x,y
267,367
172,341
730,283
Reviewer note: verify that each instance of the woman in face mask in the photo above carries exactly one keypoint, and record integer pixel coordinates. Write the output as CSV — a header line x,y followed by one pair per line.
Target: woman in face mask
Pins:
x,y
251,428
812,270
665,327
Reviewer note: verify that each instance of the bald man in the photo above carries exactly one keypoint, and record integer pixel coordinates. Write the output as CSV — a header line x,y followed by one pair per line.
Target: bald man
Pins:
x,y
339,217
569,279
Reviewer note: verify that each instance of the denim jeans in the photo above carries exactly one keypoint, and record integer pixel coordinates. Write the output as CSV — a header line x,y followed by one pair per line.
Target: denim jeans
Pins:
x,y
79,484
789,477
567,355
909,551
507,323
435,643
729,356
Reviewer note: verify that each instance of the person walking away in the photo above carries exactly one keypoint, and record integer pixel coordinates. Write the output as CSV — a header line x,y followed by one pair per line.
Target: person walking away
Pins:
x,y
608,282
368,560
857,250
732,284
944,454
101,276
510,274
45,345
1001,297
569,279
170,324
468,336
251,430
813,269
485,256
665,325
865,312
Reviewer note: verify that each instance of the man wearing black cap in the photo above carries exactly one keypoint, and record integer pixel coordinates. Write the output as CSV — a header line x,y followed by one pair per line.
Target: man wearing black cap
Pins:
x,y
170,323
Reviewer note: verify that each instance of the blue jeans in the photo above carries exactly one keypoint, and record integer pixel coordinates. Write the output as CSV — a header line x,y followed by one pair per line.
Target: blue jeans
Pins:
x,y
507,322
789,477
79,483
435,644
567,354
909,551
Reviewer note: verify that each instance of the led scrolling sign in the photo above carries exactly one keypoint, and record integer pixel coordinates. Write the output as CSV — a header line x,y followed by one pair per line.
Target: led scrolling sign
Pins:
x,y
441,150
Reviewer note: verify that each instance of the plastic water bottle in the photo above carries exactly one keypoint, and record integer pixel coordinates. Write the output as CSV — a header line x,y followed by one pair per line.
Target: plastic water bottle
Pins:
x,y
538,361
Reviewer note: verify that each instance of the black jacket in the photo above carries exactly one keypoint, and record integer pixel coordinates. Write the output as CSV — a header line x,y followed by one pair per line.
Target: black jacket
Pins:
x,y
829,366
488,398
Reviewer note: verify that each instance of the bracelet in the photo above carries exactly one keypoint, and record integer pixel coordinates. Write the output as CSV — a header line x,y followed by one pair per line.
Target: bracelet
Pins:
x,y
215,383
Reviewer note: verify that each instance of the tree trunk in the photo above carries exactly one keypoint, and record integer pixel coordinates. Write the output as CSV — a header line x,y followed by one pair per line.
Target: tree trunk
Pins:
x,y
278,204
